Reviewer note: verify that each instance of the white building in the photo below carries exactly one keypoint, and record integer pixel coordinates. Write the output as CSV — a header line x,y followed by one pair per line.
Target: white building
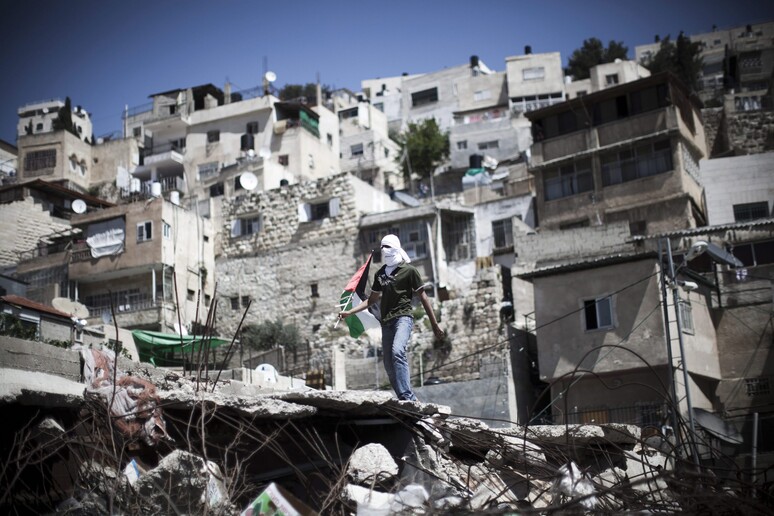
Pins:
x,y
39,117
739,188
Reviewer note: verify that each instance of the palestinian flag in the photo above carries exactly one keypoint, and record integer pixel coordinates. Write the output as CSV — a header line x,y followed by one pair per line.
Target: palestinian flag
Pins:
x,y
354,293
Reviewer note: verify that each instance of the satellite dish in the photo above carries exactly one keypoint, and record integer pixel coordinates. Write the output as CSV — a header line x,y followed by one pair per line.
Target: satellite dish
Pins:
x,y
248,181
70,307
45,110
265,153
270,76
79,206
106,317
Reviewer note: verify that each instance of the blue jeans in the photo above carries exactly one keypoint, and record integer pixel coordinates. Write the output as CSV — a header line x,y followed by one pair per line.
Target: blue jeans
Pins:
x,y
395,337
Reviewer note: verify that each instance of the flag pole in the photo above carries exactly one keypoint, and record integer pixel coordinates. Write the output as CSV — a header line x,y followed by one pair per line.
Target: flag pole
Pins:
x,y
344,306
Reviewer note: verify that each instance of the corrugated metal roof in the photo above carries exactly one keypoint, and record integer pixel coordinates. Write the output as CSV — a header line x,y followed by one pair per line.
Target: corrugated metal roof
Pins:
x,y
589,263
33,305
704,230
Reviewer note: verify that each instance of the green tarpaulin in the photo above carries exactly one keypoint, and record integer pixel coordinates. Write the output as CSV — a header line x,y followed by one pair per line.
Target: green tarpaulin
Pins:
x,y
164,349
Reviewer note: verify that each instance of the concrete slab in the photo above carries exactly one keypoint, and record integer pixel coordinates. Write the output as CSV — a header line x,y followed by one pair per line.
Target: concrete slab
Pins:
x,y
39,389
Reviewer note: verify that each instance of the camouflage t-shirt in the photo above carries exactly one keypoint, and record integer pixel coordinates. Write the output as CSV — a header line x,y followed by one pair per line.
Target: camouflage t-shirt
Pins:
x,y
397,289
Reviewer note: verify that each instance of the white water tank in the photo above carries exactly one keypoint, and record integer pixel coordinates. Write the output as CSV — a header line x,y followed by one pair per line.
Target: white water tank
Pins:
x,y
156,189
174,197
134,184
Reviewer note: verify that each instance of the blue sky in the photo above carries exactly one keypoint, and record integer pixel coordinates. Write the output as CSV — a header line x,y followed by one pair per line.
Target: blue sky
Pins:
x,y
110,53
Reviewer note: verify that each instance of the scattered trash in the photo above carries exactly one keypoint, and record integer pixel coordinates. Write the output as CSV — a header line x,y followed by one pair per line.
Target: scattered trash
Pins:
x,y
276,501
574,484
132,472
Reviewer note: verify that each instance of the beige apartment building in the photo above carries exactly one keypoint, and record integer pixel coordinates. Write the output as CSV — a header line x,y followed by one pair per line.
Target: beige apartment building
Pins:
x,y
127,261
628,153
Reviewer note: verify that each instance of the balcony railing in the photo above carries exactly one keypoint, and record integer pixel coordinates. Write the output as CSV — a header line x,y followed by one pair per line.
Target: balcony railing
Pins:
x,y
44,250
129,303
80,252
646,415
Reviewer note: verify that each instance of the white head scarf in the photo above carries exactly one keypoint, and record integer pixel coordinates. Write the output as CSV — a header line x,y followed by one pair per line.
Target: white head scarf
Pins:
x,y
395,254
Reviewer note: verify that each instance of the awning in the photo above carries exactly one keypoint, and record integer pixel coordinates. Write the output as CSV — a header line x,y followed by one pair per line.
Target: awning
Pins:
x,y
164,349
717,427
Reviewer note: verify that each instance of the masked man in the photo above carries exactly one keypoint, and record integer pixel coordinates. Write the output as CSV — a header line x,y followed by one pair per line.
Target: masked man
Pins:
x,y
396,283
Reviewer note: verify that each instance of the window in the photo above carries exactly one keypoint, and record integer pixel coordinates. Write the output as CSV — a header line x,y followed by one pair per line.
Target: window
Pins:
x,y
39,127
502,232
611,79
751,211
482,95
315,292
459,237
462,145
208,169
570,179
217,190
238,184
245,226
190,294
207,299
251,128
283,159
598,313
494,144
166,230
356,150
644,160
757,387
318,210
73,164
638,227
648,99
38,160
686,316
144,231
137,132
532,74
213,136
583,223
580,93
755,254
345,114
234,302
329,138
421,98
245,301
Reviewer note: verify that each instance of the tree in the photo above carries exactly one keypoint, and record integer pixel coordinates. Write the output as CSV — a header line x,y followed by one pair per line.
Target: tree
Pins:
x,y
682,58
269,334
423,146
64,118
591,54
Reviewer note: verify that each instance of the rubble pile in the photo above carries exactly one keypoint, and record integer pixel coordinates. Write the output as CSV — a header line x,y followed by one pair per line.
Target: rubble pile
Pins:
x,y
234,448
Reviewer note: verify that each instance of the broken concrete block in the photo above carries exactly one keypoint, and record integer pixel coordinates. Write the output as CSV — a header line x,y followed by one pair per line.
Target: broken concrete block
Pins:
x,y
371,463
368,501
175,485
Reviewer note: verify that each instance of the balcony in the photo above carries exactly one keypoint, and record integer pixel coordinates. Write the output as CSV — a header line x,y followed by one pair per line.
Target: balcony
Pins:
x,y
128,303
162,154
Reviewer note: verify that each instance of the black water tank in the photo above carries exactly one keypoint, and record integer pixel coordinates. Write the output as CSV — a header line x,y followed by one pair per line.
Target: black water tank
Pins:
x,y
527,49
283,182
476,160
247,142
473,61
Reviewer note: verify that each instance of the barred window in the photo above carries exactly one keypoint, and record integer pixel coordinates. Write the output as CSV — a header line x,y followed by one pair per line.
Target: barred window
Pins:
x,y
757,386
38,160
